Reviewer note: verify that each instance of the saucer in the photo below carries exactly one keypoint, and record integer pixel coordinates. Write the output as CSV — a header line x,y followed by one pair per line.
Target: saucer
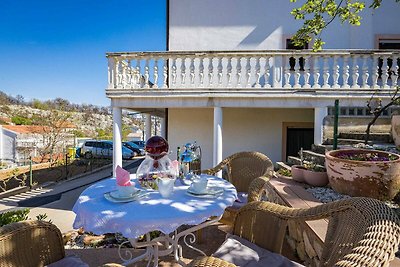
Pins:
x,y
115,194
139,194
210,191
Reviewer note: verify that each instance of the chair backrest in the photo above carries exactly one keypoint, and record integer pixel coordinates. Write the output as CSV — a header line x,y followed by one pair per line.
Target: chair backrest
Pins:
x,y
365,234
243,167
30,243
361,232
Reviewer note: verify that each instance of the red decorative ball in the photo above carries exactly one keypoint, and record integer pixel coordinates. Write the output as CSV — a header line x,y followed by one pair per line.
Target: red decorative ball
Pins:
x,y
156,147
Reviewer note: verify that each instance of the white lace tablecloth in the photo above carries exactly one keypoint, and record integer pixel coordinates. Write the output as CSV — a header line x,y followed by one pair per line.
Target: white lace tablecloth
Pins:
x,y
96,214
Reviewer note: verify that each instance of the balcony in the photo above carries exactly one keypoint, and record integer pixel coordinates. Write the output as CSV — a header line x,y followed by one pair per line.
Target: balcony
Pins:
x,y
284,74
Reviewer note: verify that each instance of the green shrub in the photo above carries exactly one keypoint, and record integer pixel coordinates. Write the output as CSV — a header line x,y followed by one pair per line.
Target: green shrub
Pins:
x,y
19,120
13,216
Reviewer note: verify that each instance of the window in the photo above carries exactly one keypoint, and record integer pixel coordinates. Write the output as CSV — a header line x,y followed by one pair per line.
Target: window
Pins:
x,y
389,44
292,60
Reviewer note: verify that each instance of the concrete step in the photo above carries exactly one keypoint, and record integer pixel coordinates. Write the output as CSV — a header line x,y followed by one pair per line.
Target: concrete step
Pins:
x,y
373,137
281,165
314,157
321,149
342,141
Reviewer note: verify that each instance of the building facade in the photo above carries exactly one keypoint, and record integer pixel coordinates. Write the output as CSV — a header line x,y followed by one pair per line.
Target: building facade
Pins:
x,y
231,80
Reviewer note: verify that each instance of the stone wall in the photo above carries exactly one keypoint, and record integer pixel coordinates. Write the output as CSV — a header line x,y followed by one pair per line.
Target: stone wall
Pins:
x,y
301,237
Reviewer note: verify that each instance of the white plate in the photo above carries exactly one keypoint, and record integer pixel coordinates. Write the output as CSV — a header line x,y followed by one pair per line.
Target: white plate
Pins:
x,y
209,191
137,196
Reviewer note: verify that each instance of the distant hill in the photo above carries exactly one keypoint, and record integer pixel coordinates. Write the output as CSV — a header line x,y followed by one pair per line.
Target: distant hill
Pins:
x,y
87,120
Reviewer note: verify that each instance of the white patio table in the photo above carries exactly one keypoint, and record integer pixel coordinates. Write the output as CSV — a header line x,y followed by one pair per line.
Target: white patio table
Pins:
x,y
137,218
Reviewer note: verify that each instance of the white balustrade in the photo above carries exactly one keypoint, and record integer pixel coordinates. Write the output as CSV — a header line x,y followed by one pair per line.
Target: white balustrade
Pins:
x,y
258,70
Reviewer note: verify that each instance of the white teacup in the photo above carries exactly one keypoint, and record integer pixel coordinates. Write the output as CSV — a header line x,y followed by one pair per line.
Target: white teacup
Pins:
x,y
199,185
165,186
126,191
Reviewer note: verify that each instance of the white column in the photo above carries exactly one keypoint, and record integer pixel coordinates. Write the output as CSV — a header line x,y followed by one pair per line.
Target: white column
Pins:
x,y
319,115
163,127
217,155
147,126
117,138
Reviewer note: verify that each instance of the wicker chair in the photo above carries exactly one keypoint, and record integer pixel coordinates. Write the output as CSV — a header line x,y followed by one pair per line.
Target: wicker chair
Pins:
x,y
361,231
32,243
248,172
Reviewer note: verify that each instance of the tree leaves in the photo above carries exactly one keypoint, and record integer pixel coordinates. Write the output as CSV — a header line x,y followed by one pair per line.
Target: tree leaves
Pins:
x,y
318,14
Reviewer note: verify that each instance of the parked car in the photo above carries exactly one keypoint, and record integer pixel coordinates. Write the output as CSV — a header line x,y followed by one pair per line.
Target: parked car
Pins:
x,y
103,149
140,144
137,151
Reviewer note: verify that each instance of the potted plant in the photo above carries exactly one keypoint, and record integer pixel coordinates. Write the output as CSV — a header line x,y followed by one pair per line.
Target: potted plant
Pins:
x,y
284,173
362,172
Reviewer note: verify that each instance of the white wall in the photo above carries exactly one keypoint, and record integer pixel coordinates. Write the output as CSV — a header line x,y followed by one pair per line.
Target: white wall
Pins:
x,y
8,145
261,24
243,130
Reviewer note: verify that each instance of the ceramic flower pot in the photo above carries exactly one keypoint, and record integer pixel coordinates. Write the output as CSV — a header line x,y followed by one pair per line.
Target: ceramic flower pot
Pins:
x,y
297,173
315,178
354,172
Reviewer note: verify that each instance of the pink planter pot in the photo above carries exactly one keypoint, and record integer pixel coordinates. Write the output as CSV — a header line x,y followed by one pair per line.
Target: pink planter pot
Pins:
x,y
376,179
297,173
315,178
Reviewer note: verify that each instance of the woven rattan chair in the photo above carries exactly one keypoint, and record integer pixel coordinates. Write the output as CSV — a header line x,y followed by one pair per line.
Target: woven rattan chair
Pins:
x,y
248,172
33,244
361,231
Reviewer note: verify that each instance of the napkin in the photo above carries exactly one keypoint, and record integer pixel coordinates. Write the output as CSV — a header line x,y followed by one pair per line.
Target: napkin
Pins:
x,y
175,167
122,177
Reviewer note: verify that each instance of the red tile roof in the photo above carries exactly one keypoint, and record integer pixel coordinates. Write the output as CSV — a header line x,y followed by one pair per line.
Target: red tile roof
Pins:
x,y
25,128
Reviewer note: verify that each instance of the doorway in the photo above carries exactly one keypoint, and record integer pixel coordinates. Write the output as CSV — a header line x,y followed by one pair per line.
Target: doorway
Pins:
x,y
296,136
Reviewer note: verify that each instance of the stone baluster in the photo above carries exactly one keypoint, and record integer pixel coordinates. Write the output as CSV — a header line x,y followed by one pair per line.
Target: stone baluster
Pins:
x,y
326,73
346,73
287,73
335,72
146,74
238,72
124,71
183,71
119,74
129,74
317,73
355,75
155,74
306,72
219,69
375,71
165,72
201,71
365,72
173,74
385,72
111,71
229,72
210,72
248,72
258,73
192,73
267,73
297,72
395,72
137,73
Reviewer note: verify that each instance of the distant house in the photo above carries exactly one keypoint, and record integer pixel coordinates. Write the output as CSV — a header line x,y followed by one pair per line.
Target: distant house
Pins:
x,y
19,142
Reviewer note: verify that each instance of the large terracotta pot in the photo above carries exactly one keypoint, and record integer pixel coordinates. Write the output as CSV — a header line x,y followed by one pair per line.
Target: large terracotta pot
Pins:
x,y
376,179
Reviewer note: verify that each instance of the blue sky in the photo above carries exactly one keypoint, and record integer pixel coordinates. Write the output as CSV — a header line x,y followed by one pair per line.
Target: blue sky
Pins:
x,y
52,49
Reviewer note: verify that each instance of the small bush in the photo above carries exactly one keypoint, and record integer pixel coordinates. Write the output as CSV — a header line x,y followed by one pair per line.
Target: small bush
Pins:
x,y
13,216
19,120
